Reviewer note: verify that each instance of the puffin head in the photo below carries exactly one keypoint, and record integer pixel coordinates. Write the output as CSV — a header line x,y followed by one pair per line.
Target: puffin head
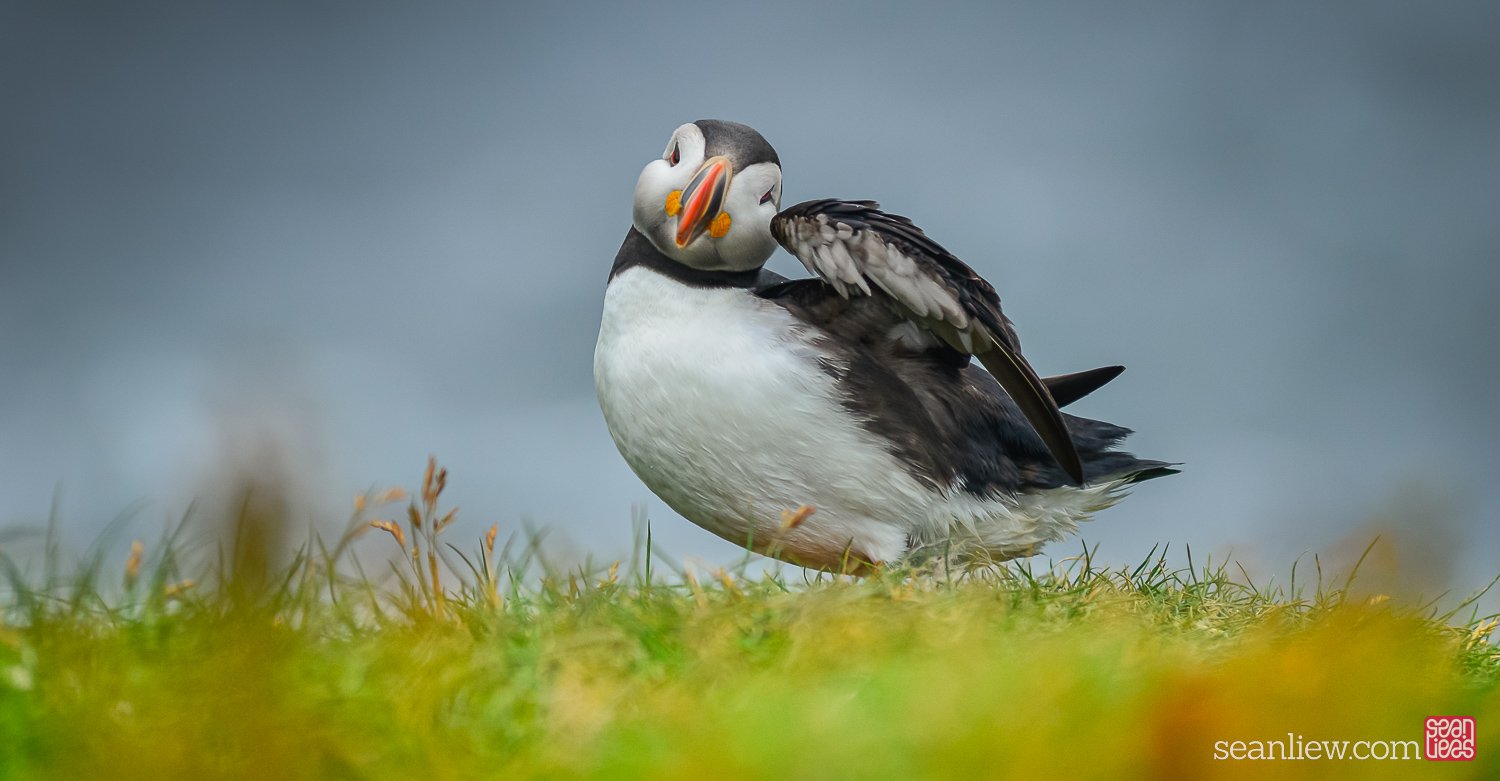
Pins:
x,y
707,203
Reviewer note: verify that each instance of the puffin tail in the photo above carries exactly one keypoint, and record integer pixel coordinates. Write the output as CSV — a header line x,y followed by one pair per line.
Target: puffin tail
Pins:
x,y
1096,441
1144,470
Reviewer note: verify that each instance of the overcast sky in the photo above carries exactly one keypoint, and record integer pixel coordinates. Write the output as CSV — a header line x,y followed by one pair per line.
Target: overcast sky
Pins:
x,y
352,235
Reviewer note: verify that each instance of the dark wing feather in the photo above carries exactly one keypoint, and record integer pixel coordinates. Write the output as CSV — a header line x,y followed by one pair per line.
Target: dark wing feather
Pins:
x,y
859,249
1068,388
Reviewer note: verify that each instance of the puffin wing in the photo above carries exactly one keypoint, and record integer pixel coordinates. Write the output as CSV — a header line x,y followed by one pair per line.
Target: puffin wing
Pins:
x,y
1068,388
860,250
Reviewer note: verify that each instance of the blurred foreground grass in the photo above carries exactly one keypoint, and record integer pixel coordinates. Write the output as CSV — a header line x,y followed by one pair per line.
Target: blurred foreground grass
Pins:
x,y
317,668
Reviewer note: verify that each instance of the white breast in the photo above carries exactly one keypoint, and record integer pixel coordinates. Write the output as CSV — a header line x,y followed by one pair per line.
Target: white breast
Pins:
x,y
718,404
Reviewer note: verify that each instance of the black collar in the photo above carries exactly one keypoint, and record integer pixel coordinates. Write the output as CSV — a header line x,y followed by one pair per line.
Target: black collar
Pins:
x,y
639,251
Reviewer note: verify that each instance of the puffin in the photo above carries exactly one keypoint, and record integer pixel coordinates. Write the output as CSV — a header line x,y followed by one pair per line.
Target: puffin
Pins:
x,y
878,412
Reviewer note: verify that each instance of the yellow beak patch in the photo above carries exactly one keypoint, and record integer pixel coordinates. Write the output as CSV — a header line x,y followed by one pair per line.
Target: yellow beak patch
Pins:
x,y
719,226
674,203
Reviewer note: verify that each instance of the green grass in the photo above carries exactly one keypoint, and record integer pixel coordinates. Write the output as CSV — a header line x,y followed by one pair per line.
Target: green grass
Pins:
x,y
323,667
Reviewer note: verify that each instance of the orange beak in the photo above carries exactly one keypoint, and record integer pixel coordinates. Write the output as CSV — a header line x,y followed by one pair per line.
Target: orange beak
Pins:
x,y
703,198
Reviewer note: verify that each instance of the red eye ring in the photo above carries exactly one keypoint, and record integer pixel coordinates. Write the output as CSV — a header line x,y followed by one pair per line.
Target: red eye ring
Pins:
x,y
767,197
676,156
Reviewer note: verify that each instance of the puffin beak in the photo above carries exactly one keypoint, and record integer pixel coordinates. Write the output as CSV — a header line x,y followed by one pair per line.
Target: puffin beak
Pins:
x,y
703,198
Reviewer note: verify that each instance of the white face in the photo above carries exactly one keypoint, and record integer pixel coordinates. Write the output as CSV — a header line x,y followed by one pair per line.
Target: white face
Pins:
x,y
734,237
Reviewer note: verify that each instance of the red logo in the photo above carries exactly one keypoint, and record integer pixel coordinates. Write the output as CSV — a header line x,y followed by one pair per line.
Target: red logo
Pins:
x,y
1449,738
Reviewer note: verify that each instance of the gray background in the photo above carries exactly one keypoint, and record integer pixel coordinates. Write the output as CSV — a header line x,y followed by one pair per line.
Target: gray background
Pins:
x,y
342,236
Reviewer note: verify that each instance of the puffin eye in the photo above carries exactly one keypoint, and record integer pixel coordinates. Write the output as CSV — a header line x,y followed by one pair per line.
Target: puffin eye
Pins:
x,y
767,197
676,156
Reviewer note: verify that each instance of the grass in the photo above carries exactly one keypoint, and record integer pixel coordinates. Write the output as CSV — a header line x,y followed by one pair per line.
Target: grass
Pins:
x,y
446,662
